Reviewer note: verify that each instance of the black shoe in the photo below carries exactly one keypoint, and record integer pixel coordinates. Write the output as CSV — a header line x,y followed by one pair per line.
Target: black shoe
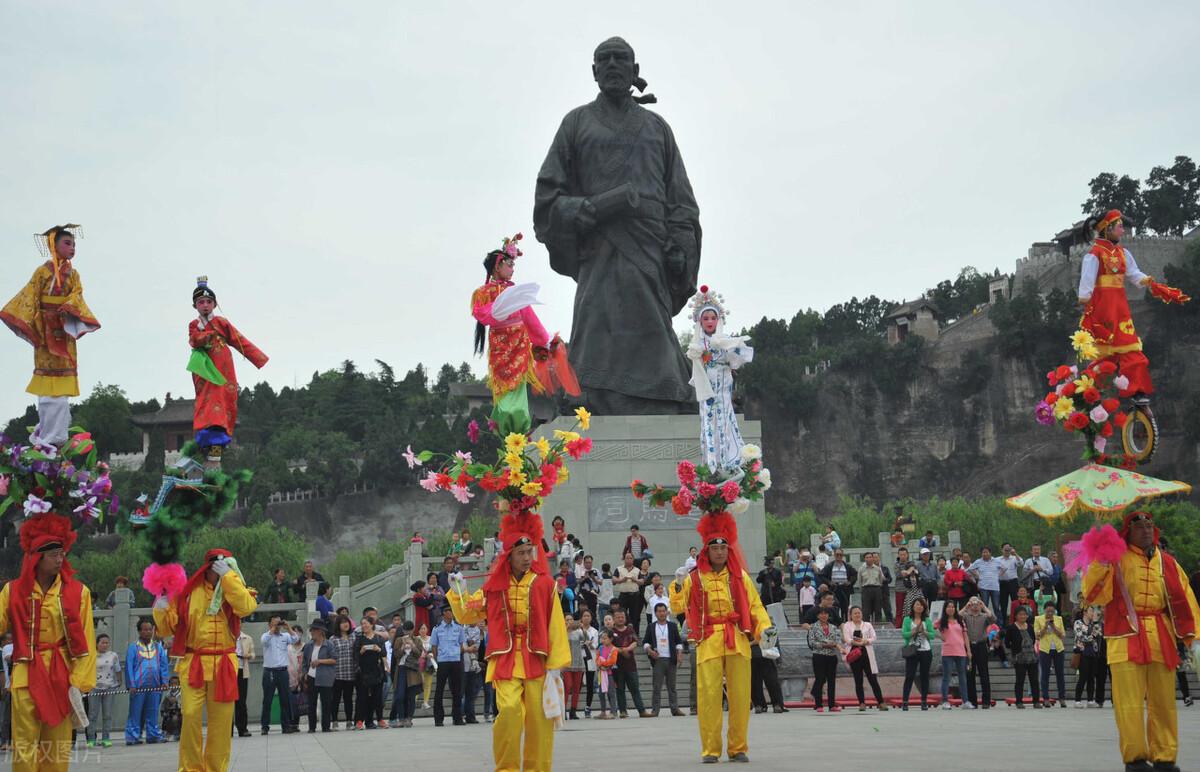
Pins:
x,y
243,733
1141,765
265,730
760,708
1166,766
437,724
709,760
291,730
312,730
740,758
780,709
476,721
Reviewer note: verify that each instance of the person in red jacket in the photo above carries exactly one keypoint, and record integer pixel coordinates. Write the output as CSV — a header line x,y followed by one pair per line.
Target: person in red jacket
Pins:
x,y
955,582
211,337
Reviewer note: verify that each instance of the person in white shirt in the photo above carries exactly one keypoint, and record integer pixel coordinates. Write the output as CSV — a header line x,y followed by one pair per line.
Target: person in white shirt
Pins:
x,y
664,646
1036,568
276,642
245,655
1010,577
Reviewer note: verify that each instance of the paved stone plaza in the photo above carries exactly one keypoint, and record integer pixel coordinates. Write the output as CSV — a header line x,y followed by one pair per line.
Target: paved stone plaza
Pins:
x,y
937,741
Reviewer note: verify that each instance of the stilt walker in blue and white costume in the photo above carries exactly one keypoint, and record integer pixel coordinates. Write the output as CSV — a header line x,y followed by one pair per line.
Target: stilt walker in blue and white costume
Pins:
x,y
714,356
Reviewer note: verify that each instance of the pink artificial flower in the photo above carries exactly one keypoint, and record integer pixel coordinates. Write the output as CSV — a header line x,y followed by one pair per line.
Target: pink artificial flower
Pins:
x,y
463,457
36,506
87,509
4,480
411,458
1121,382
1099,414
461,493
1099,443
430,482
730,491
473,432
492,425
706,490
686,472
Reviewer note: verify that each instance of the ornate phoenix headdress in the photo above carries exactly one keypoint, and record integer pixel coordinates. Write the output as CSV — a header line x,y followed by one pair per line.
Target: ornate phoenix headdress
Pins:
x,y
706,300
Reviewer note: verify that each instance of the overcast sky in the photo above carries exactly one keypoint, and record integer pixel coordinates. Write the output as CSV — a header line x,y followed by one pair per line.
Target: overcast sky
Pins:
x,y
338,170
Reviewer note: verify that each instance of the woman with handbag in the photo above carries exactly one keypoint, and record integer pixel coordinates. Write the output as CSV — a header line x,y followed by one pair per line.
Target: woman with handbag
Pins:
x,y
1018,637
859,636
825,642
407,653
953,633
1088,659
917,652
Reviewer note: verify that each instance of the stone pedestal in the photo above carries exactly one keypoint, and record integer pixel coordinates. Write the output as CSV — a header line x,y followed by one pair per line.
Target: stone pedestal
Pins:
x,y
599,507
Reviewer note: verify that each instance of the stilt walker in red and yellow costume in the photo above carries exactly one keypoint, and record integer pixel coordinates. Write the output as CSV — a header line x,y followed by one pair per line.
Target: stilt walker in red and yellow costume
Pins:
x,y
211,337
1107,267
49,614
206,619
51,314
724,616
1148,607
527,638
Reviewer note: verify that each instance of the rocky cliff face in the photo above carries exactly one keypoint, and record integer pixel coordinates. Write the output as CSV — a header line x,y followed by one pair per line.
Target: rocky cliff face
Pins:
x,y
964,426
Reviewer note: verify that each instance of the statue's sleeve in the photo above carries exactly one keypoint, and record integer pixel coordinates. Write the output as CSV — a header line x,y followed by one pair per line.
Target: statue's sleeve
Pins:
x,y
554,208
683,224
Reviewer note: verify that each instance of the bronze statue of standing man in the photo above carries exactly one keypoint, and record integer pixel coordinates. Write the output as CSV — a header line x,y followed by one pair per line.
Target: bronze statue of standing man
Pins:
x,y
616,211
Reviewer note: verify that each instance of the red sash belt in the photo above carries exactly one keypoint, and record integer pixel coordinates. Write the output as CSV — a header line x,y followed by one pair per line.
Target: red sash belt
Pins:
x,y
730,623
1139,642
224,677
48,688
520,631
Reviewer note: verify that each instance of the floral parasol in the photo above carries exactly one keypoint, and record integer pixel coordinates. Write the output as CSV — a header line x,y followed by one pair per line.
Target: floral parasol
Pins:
x,y
1094,488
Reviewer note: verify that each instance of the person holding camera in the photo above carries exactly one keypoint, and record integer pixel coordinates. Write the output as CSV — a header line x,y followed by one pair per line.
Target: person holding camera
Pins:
x,y
275,643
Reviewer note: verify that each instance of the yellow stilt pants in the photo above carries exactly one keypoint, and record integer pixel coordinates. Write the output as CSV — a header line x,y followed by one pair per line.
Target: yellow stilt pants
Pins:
x,y
519,710
194,754
1143,700
734,671
37,747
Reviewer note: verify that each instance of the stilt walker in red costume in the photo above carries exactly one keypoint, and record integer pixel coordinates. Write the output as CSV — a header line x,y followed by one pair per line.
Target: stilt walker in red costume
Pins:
x,y
49,614
1107,267
724,616
206,618
527,638
211,337
1149,607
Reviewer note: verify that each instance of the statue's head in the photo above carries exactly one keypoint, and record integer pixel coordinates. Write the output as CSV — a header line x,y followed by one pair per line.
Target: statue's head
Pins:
x,y
614,68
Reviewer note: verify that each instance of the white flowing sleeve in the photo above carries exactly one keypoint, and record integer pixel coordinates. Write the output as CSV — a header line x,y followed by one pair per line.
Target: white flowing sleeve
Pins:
x,y
739,355
1133,274
1087,276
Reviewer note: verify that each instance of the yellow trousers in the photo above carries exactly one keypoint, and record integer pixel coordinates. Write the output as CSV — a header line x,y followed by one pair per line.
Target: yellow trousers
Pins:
x,y
426,686
732,670
1143,700
194,754
519,709
37,747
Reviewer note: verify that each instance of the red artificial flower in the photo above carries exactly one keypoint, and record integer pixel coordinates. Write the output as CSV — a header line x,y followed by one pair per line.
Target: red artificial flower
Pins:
x,y
706,490
1106,430
1107,367
577,448
463,479
1129,464
1091,395
1111,405
1052,378
1120,419
444,480
730,491
638,491
1069,390
1051,398
1078,420
686,471
1063,372
680,505
1102,458
491,483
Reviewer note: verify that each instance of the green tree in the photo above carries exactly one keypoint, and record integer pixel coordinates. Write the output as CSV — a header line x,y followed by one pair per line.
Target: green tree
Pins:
x,y
1107,191
105,413
1173,197
259,549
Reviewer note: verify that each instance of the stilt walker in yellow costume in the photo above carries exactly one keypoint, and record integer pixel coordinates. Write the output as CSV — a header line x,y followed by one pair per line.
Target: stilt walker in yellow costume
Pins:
x,y
1148,608
206,619
527,638
724,616
49,614
50,314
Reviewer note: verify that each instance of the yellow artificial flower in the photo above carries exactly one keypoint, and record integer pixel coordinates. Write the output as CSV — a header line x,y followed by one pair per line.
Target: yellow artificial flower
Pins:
x,y
514,442
1082,338
543,447
532,488
516,477
563,475
1084,383
585,418
1063,408
559,434
514,461
1089,353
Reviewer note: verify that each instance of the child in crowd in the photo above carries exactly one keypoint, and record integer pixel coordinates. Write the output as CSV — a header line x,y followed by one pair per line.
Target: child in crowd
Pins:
x,y
170,713
101,699
807,595
606,660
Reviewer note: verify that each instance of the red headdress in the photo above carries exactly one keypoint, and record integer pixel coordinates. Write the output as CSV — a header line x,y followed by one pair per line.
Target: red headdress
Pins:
x,y
1107,219
720,528
515,531
1131,518
39,534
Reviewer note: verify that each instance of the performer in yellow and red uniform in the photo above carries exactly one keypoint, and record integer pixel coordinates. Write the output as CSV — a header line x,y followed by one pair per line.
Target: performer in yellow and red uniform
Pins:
x,y
206,619
1148,607
724,615
527,637
1107,267
49,614
211,337
50,314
